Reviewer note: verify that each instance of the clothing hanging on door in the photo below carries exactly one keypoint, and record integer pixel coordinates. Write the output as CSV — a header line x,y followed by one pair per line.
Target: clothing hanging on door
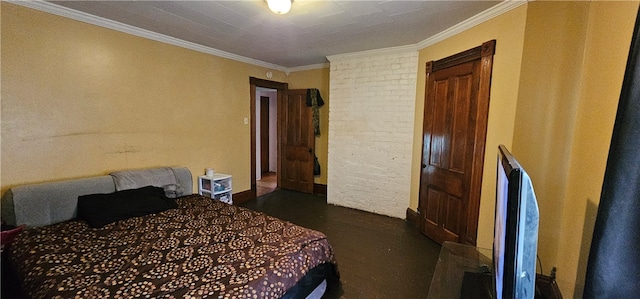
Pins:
x,y
314,100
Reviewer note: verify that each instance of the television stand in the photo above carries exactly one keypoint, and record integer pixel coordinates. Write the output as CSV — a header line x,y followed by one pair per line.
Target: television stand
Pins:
x,y
464,271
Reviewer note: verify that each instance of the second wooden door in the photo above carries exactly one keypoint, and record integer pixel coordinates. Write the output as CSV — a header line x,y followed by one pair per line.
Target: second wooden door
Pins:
x,y
298,143
454,131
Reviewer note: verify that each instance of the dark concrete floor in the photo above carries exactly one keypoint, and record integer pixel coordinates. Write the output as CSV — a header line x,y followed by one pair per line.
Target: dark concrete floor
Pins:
x,y
378,256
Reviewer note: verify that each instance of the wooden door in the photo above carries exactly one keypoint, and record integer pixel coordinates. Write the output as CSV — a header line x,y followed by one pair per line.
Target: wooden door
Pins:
x,y
298,142
454,131
264,134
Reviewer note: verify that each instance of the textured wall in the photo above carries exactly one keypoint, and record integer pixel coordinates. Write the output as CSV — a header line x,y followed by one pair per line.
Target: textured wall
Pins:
x,y
610,23
80,100
371,131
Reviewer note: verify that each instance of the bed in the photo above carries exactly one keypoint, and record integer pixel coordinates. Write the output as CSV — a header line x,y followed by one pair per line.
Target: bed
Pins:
x,y
142,233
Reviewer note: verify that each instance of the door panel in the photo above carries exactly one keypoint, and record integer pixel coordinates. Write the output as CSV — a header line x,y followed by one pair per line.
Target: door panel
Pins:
x,y
461,125
297,144
452,219
432,215
451,136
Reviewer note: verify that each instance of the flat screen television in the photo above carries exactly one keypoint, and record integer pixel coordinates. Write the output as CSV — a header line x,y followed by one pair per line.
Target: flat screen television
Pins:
x,y
516,231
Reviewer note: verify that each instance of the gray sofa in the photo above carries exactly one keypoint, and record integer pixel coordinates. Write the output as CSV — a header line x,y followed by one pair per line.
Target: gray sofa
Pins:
x,y
48,203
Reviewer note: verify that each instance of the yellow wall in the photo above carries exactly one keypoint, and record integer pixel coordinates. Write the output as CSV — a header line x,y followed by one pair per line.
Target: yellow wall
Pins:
x,y
607,45
559,68
317,78
547,101
508,31
569,89
80,100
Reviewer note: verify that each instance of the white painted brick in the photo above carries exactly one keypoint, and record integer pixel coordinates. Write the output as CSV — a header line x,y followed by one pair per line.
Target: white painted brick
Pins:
x,y
371,119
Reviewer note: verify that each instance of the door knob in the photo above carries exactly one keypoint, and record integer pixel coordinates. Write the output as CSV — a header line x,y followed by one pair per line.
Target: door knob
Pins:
x,y
310,150
424,165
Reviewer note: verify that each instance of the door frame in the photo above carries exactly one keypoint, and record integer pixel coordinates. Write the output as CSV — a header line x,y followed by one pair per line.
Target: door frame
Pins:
x,y
485,53
281,90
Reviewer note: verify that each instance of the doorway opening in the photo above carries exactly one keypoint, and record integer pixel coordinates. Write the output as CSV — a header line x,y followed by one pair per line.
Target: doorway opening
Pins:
x,y
266,140
276,92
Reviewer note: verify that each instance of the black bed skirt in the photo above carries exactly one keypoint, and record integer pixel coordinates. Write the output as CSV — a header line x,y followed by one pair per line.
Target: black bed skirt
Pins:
x,y
313,279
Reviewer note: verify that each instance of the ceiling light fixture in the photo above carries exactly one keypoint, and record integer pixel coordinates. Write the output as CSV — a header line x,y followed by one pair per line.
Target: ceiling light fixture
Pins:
x,y
279,6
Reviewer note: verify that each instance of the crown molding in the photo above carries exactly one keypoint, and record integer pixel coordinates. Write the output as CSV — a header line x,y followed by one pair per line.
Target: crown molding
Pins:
x,y
482,17
55,9
308,67
390,50
106,23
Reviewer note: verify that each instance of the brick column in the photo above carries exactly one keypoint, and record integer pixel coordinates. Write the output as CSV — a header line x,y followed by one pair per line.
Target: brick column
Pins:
x,y
371,122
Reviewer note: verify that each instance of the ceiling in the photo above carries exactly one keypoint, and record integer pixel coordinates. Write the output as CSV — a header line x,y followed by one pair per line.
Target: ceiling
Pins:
x,y
310,32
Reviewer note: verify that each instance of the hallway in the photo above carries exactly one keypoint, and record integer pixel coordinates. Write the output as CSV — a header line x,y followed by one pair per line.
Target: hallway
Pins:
x,y
267,183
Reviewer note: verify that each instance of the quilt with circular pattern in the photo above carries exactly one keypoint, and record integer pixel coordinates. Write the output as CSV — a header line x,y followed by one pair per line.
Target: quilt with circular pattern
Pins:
x,y
202,249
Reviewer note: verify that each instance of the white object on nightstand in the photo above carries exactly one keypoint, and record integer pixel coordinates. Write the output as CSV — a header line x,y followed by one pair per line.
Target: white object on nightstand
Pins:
x,y
217,187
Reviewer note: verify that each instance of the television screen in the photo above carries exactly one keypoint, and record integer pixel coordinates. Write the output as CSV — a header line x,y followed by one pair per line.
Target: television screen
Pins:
x,y
515,231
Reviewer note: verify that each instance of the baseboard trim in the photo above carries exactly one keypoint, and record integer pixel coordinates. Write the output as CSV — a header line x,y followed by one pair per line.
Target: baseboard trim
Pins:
x,y
244,196
412,217
319,189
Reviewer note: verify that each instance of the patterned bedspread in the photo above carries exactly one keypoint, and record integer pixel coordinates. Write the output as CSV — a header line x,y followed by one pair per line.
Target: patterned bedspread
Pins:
x,y
202,249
